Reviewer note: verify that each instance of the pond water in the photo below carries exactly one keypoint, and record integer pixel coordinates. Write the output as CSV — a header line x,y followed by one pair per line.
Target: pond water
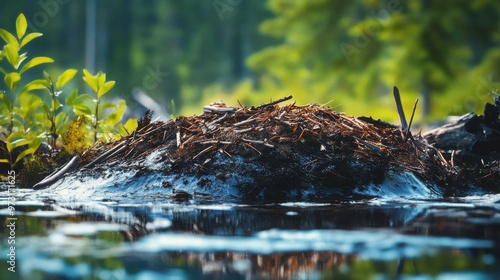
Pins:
x,y
203,238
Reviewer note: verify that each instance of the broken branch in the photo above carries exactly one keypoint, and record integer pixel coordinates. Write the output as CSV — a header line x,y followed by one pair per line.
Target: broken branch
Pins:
x,y
401,111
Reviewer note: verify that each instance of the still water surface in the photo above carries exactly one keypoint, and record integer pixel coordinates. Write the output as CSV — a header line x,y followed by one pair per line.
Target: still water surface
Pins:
x,y
207,239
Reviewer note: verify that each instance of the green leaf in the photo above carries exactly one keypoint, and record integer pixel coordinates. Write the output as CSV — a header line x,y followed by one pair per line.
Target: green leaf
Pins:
x,y
28,105
65,77
4,98
55,104
47,76
11,53
12,80
9,144
29,38
83,104
105,88
61,122
22,57
105,106
32,147
29,100
35,85
21,25
3,71
9,39
71,97
36,61
116,115
18,142
109,105
82,110
101,78
46,109
92,81
128,127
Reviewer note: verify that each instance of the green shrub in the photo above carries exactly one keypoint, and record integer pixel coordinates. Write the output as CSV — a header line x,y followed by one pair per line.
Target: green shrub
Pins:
x,y
27,118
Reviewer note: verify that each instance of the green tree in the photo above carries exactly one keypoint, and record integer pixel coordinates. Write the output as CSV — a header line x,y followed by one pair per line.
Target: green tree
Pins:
x,y
354,52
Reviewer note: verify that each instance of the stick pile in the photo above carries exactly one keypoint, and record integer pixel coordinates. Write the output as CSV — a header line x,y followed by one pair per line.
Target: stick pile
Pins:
x,y
320,143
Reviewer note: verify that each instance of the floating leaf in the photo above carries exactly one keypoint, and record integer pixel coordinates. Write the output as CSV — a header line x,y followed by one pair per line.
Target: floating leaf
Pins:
x,y
36,61
21,25
12,80
29,38
65,77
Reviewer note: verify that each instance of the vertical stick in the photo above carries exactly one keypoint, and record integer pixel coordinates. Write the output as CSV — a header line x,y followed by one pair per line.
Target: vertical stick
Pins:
x,y
399,105
412,114
178,138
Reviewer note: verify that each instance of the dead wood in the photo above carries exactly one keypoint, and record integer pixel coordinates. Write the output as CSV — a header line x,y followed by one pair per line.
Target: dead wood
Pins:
x,y
279,146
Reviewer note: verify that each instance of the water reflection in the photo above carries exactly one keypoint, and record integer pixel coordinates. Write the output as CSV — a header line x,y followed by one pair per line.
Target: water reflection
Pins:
x,y
206,240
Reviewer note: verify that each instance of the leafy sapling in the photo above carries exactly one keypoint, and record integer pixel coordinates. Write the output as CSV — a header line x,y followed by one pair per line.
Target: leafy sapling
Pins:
x,y
52,107
11,52
19,123
103,123
26,119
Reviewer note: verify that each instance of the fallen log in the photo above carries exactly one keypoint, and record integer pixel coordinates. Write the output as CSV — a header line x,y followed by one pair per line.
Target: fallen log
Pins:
x,y
471,138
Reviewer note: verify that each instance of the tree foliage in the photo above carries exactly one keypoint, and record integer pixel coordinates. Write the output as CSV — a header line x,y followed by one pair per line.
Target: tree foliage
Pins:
x,y
354,52
190,53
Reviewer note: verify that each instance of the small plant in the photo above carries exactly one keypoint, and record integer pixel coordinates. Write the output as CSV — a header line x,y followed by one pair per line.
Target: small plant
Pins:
x,y
20,122
100,87
52,107
103,118
26,119
22,142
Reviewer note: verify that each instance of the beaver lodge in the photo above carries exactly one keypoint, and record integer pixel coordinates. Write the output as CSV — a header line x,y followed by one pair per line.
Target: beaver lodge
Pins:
x,y
291,152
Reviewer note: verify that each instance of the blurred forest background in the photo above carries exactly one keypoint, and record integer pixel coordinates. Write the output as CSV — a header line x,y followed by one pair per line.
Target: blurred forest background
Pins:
x,y
186,54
